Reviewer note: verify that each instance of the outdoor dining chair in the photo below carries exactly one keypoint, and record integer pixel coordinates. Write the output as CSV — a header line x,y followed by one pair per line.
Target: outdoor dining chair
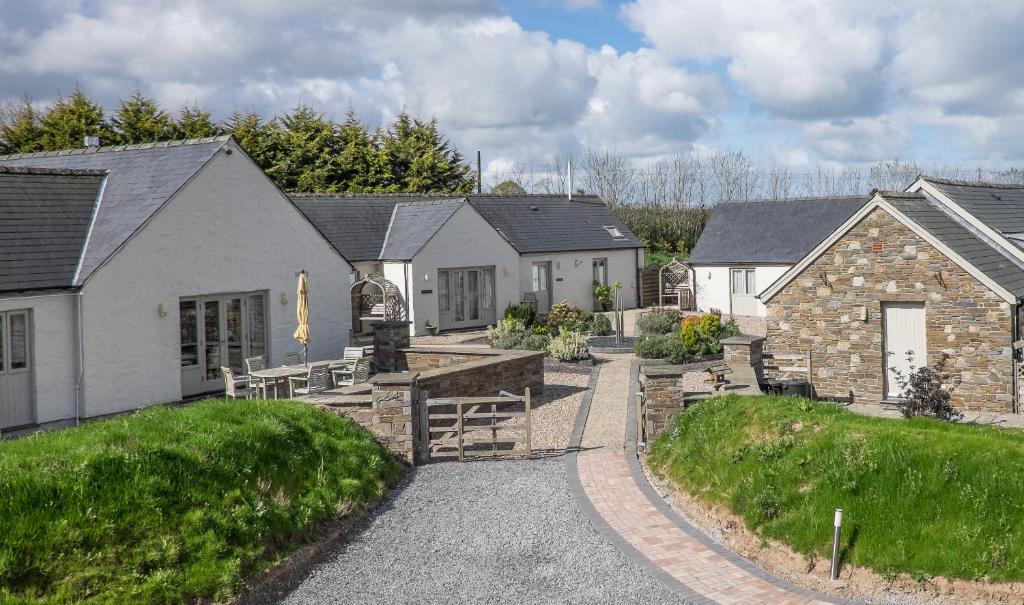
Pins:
x,y
232,382
316,380
293,358
360,372
255,364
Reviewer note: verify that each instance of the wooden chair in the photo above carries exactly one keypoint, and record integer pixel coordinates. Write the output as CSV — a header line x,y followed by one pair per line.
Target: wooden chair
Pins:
x,y
293,358
255,364
353,353
317,379
360,372
232,382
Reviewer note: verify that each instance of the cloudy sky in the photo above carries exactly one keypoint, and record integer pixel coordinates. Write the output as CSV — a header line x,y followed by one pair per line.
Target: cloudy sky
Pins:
x,y
791,81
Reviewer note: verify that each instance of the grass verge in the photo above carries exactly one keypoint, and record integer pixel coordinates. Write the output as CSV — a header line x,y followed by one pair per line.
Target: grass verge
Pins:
x,y
174,504
920,496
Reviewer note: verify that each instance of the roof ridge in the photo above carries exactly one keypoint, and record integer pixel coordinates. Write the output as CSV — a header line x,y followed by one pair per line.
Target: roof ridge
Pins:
x,y
899,194
368,195
434,202
807,198
111,148
53,171
961,183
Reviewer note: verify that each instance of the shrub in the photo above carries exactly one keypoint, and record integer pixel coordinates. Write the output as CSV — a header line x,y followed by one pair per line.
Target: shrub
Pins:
x,y
674,350
507,334
539,328
534,342
659,321
599,325
701,335
925,391
729,329
524,314
651,346
568,346
564,315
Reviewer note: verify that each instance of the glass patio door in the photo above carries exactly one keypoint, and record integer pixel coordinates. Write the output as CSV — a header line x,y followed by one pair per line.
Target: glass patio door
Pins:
x,y
465,297
218,331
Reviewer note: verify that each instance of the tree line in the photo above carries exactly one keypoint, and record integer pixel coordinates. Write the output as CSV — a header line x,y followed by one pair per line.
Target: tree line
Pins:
x,y
301,150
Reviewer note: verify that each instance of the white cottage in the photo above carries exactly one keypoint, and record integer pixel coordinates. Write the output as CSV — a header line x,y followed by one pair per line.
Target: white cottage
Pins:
x,y
460,260
132,274
748,245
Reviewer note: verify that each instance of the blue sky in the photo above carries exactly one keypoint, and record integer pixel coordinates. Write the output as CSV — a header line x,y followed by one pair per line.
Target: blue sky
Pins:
x,y
806,83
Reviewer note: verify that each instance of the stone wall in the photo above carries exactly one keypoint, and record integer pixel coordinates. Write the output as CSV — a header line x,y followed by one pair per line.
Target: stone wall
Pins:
x,y
453,372
881,260
663,396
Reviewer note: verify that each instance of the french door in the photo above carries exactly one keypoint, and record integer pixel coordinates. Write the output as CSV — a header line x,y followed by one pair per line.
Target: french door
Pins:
x,y
16,408
540,281
743,291
465,297
219,330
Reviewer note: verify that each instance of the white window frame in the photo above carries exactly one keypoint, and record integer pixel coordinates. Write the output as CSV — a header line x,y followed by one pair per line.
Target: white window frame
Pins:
x,y
746,274
6,343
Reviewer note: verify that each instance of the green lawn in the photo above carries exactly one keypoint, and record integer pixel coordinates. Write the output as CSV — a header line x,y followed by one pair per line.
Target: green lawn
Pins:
x,y
920,496
175,503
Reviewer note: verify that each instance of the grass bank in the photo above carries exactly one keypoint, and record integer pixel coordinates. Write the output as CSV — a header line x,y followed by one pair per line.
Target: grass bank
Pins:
x,y
174,504
920,496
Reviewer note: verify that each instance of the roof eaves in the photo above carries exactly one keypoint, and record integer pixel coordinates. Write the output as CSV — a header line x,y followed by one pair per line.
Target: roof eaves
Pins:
x,y
84,150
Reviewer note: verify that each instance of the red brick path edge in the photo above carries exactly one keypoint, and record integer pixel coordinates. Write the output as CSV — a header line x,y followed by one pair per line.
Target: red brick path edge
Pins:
x,y
612,490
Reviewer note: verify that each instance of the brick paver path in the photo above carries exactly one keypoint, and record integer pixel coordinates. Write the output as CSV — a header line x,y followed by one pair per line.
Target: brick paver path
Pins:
x,y
609,484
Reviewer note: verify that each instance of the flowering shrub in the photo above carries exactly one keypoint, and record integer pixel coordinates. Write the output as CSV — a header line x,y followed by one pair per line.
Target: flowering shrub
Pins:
x,y
568,346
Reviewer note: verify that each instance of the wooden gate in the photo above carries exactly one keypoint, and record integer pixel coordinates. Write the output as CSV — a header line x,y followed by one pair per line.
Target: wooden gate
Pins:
x,y
476,427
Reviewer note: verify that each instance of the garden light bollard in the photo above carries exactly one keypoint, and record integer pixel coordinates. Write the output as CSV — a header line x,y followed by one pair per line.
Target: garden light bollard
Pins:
x,y
837,525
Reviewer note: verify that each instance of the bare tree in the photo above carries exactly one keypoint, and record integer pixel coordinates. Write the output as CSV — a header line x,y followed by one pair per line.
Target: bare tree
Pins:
x,y
609,175
779,183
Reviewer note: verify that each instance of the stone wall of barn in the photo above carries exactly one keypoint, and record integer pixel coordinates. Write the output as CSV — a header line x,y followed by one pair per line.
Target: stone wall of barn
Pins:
x,y
881,260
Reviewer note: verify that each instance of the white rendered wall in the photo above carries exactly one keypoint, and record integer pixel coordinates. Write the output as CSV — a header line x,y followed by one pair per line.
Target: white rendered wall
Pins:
x,y
572,275
53,350
229,230
466,240
713,286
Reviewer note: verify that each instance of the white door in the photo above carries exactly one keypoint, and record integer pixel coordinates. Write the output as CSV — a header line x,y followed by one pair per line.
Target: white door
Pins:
x,y
600,271
217,331
541,285
465,298
743,288
905,345
15,370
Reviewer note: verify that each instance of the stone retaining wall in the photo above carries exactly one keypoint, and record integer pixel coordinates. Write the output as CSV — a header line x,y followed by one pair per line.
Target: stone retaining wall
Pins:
x,y
663,396
835,307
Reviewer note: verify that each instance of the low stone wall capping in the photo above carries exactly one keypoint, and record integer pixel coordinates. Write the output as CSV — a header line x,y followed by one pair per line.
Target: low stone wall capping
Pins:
x,y
391,403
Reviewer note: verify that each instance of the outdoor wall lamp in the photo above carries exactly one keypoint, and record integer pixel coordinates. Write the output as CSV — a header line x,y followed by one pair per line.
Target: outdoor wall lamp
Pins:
x,y
284,298
161,310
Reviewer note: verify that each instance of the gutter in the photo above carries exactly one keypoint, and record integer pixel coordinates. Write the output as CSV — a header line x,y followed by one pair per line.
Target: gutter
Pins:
x,y
81,358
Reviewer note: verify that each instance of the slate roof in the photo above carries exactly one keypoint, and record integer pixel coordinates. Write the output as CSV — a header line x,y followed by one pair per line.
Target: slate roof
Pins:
x,y
413,224
355,225
961,238
1000,207
554,223
770,231
44,220
141,179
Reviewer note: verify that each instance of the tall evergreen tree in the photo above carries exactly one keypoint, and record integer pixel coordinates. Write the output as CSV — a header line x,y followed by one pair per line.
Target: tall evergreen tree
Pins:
x,y
70,119
355,156
309,147
194,123
256,137
139,119
20,128
418,159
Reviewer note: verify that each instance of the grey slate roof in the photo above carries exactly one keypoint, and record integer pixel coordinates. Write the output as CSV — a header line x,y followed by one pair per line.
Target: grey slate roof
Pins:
x,y
554,223
413,224
770,231
44,219
355,225
1000,207
141,179
961,239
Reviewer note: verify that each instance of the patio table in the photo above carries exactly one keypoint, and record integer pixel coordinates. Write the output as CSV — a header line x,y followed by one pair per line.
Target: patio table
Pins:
x,y
281,373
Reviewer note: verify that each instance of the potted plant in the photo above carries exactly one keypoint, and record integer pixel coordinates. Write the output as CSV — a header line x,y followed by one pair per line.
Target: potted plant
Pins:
x,y
431,328
605,294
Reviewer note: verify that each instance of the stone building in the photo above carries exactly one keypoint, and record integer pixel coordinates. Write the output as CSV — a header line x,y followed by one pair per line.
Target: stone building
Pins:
x,y
935,270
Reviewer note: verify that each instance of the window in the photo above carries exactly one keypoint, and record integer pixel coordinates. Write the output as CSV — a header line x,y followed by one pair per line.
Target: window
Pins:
x,y
743,282
14,341
601,270
257,325
189,333
443,300
614,232
540,277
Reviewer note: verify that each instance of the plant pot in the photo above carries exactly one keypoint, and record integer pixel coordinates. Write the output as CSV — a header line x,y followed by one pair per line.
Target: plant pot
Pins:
x,y
432,330
606,305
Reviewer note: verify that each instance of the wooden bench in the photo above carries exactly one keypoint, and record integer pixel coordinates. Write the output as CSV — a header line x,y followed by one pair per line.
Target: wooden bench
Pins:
x,y
717,374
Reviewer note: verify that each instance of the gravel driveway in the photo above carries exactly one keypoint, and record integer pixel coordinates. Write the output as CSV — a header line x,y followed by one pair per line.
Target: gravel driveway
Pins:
x,y
483,532
495,531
